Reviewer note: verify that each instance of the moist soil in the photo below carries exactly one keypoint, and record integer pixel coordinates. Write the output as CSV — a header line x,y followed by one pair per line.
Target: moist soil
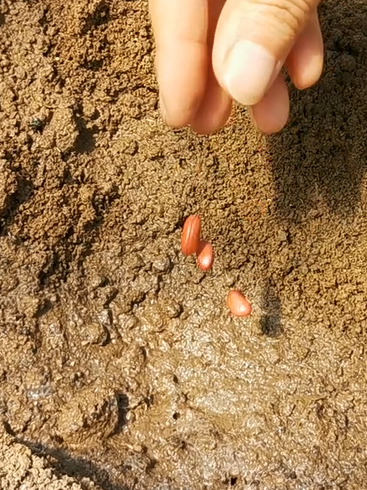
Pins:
x,y
120,366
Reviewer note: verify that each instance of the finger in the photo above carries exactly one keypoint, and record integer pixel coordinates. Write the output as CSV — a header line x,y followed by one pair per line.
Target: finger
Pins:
x,y
253,39
305,61
180,29
214,110
270,115
216,105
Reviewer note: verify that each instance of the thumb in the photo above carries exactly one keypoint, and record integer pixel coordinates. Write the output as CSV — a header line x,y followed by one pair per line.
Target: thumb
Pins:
x,y
252,41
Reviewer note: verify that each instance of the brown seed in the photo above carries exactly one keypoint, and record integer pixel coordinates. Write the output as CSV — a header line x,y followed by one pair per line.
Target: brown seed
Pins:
x,y
191,235
238,304
205,255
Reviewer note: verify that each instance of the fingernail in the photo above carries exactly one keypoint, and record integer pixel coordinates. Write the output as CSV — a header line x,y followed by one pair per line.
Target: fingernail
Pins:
x,y
249,71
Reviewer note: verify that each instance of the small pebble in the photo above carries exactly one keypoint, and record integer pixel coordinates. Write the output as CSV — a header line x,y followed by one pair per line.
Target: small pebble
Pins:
x,y
162,263
126,322
229,278
205,255
94,334
173,309
191,235
238,304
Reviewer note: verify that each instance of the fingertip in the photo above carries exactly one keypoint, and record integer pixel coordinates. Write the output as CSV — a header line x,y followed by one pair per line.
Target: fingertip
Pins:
x,y
214,111
305,77
208,126
271,114
181,82
306,59
180,32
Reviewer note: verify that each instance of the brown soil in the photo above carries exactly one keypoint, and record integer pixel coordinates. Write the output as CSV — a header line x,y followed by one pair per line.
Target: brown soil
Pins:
x,y
119,363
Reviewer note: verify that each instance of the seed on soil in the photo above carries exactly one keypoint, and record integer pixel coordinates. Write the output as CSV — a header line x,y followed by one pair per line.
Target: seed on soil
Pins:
x,y
205,255
238,304
191,235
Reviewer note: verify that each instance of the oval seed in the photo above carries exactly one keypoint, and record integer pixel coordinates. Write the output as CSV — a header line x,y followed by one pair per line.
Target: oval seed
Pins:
x,y
238,304
191,235
205,255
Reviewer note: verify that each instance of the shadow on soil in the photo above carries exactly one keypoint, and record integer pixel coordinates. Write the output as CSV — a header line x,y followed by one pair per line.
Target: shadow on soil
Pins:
x,y
328,129
271,320
327,125
76,467
63,463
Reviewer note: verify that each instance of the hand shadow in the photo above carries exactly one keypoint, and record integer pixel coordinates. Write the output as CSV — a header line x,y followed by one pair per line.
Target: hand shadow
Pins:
x,y
271,320
320,158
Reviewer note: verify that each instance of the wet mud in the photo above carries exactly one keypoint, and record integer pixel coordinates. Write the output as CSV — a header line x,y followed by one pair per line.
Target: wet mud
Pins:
x,y
120,366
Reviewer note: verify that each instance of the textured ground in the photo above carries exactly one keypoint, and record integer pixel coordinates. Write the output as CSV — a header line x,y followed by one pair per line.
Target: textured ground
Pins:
x,y
120,367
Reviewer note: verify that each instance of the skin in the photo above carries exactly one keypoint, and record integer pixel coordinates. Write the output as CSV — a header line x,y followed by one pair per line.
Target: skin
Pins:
x,y
194,40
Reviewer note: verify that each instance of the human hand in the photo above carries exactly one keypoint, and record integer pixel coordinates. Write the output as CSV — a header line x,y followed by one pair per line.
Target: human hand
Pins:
x,y
210,52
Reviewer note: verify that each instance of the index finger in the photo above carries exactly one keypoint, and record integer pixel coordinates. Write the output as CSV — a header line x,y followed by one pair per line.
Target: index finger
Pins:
x,y
180,30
